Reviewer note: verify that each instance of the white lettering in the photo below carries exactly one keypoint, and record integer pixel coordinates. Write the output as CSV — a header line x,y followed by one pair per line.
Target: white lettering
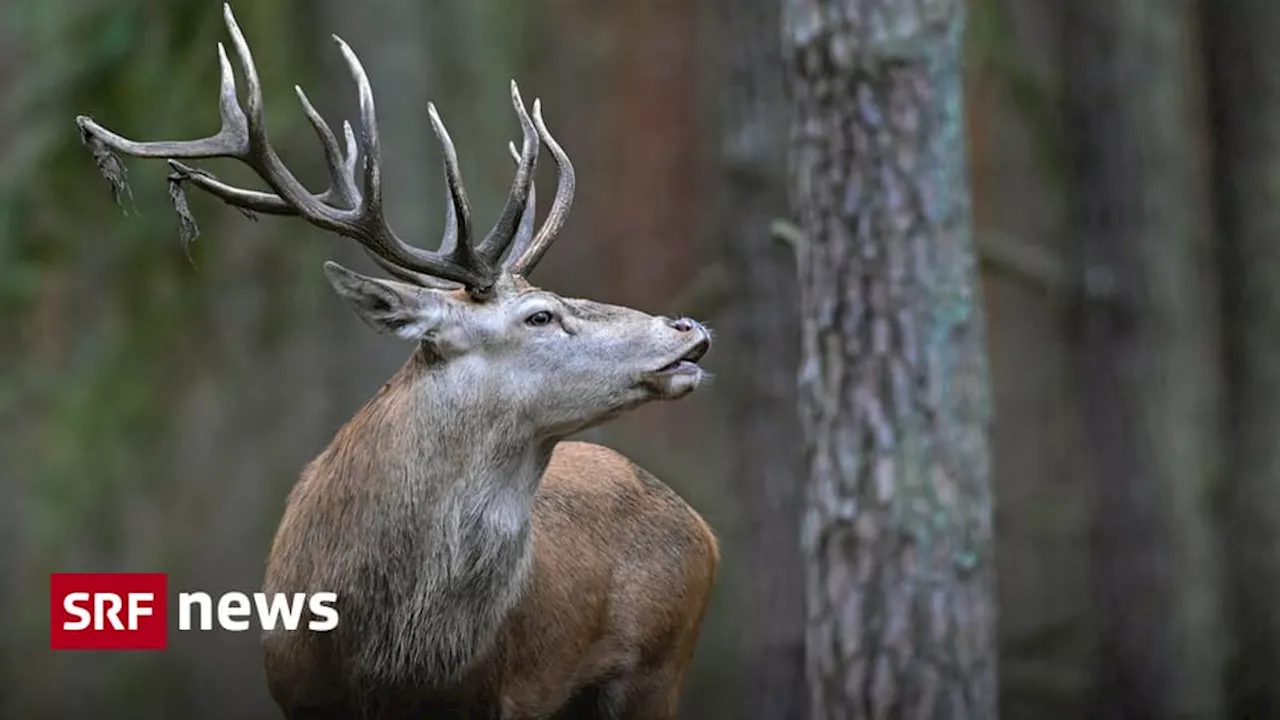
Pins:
x,y
136,607
230,605
71,604
112,613
279,605
235,610
322,606
198,599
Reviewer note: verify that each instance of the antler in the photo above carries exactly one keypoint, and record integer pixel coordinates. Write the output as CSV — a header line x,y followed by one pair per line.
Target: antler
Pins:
x,y
347,208
526,248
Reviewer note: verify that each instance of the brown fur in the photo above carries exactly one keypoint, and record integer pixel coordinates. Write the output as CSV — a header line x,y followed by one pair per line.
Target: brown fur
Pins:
x,y
606,616
622,572
482,569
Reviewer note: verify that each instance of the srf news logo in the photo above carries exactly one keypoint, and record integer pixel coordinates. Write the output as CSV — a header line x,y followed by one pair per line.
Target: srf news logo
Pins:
x,y
130,611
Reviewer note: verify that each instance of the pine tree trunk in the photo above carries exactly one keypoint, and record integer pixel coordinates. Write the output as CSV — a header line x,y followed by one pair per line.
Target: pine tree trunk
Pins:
x,y
1150,375
1245,60
761,324
895,404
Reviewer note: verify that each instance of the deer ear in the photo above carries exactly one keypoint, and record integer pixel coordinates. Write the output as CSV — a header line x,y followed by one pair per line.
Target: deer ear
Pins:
x,y
390,307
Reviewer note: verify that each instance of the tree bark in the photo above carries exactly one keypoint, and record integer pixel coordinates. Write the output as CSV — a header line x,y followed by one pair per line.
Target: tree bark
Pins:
x,y
1150,375
1244,59
761,324
895,404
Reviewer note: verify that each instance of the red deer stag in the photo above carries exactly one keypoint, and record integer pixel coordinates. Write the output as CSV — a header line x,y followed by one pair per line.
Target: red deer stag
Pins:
x,y
484,568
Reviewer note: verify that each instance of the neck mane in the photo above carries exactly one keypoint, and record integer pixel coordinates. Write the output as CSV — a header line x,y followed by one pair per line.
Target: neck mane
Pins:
x,y
424,500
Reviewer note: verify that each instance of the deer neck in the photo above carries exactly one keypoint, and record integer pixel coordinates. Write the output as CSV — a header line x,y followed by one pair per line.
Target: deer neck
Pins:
x,y
445,489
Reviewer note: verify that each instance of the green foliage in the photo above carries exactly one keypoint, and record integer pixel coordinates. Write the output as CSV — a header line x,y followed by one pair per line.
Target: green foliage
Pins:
x,y
147,75
100,299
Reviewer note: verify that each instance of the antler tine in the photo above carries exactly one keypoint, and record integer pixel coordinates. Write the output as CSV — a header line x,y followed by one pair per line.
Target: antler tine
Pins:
x,y
523,263
243,136
342,166
503,232
231,140
342,188
524,232
350,194
460,250
449,241
461,265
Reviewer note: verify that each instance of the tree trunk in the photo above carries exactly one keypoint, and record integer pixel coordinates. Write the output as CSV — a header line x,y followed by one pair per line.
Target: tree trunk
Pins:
x,y
896,530
1149,353
1245,63
761,324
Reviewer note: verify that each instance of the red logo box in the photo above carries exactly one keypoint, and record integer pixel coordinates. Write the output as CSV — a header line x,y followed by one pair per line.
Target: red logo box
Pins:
x,y
108,611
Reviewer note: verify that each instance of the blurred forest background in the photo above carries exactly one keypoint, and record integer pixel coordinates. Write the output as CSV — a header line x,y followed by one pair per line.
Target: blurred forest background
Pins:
x,y
1124,159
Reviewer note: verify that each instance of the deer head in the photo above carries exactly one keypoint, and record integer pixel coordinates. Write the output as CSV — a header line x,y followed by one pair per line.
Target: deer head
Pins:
x,y
560,364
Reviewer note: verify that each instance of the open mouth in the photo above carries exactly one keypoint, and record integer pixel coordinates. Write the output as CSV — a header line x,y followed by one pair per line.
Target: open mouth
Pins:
x,y
689,360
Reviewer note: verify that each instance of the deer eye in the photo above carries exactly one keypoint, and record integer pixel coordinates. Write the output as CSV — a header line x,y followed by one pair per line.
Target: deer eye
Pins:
x,y
542,317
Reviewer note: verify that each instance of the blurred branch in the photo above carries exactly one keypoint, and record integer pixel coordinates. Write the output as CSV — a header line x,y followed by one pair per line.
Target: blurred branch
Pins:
x,y
1031,264
788,232
710,292
1034,266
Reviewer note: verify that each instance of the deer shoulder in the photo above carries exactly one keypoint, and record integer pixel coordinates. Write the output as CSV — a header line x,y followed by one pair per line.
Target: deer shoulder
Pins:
x,y
623,571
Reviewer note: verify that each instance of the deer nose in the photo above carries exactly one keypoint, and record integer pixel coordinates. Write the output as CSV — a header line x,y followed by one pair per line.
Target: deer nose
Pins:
x,y
685,324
